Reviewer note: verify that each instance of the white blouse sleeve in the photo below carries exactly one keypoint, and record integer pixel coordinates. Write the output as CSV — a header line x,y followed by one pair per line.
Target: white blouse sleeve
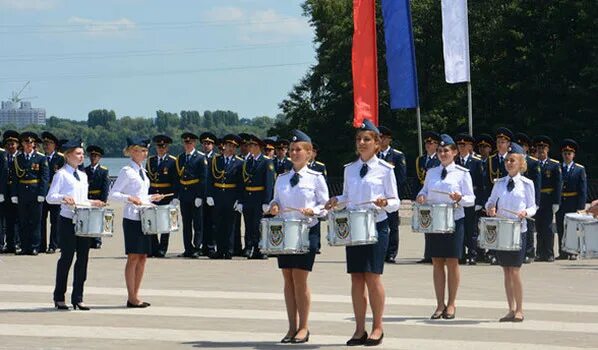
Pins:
x,y
391,193
530,200
116,193
468,198
491,203
54,196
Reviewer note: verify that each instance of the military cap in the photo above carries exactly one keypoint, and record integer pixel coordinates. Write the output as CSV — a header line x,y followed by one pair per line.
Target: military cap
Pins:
x,y
207,137
188,136
516,149
464,138
384,131
232,138
73,143
367,125
431,136
485,140
244,137
10,135
522,139
269,143
569,145
255,140
28,136
504,133
161,139
542,141
446,140
280,142
138,141
299,136
48,136
93,149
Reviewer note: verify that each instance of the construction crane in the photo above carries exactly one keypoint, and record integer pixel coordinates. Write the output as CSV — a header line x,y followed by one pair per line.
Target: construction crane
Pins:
x,y
15,95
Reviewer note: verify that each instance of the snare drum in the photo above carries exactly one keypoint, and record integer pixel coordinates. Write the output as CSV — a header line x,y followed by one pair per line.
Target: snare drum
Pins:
x,y
93,222
433,218
281,236
159,219
352,227
581,235
589,247
499,234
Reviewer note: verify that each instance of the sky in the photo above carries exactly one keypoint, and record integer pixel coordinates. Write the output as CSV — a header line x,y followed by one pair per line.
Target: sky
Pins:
x,y
139,56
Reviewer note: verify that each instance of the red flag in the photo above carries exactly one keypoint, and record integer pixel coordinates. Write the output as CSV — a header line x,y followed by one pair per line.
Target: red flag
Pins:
x,y
364,62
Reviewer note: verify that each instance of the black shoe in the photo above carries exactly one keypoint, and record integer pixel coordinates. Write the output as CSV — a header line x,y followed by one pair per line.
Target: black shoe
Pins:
x,y
572,257
472,262
160,254
61,306
493,261
391,260
550,259
287,339
246,252
318,251
448,316
227,256
438,315
425,261
50,251
541,259
528,260
562,257
146,304
19,251
508,318
141,306
374,342
96,246
216,255
34,252
80,306
358,341
302,340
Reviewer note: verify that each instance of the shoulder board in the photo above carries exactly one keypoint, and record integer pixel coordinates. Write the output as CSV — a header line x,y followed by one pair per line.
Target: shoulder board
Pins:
x,y
461,168
387,164
287,158
285,173
320,163
554,161
60,154
314,172
103,167
201,153
239,158
346,165
475,156
40,153
396,151
266,157
171,156
1,149
579,165
533,158
492,155
526,180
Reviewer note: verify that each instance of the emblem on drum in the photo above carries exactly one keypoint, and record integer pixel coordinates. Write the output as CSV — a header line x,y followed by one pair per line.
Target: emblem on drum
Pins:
x,y
491,234
276,235
174,220
108,225
342,227
425,219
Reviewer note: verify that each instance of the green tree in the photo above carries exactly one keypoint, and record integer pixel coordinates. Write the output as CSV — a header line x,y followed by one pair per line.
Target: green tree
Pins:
x,y
100,117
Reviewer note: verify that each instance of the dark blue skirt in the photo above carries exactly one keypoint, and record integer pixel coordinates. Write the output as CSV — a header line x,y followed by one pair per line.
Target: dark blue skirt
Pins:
x,y
302,261
447,245
369,258
513,258
135,241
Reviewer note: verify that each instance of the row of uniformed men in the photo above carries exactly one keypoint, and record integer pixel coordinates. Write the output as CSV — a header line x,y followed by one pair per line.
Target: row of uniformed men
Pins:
x,y
561,186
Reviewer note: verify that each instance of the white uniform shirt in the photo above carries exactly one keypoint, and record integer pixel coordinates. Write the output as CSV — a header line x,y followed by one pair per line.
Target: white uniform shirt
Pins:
x,y
522,197
65,184
457,180
129,183
310,192
379,182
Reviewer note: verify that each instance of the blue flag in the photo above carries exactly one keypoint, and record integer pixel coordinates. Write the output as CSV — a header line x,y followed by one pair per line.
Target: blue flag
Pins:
x,y
400,54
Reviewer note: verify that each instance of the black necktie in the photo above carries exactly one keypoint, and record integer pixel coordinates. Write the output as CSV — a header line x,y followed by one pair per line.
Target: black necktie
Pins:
x,y
159,161
510,185
226,160
565,170
28,157
49,159
294,180
76,175
141,174
443,173
363,170
250,162
188,157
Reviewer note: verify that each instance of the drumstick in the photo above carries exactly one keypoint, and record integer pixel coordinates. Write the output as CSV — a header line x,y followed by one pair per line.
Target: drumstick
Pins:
x,y
516,213
371,202
287,209
441,192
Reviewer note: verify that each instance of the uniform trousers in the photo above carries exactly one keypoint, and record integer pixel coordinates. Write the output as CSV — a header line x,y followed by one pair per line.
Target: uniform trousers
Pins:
x,y
10,233
252,215
192,225
530,250
53,211
69,245
393,239
30,218
471,233
223,217
208,241
545,236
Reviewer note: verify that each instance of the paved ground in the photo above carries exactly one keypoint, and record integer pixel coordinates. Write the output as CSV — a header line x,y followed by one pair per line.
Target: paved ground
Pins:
x,y
238,304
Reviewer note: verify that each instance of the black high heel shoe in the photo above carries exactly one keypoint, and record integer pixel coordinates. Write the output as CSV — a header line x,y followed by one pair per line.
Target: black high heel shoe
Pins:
x,y
374,342
437,315
61,306
287,339
358,341
302,340
80,306
448,316
142,305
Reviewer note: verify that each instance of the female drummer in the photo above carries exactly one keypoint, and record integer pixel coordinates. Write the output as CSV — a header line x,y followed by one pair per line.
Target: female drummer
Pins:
x,y
513,197
300,193
69,188
132,188
369,182
447,183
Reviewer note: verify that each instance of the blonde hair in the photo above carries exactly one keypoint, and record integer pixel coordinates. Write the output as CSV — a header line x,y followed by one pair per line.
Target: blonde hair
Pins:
x,y
69,151
521,161
127,150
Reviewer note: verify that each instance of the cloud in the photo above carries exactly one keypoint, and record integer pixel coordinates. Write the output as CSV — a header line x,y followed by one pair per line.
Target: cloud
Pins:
x,y
261,26
29,5
96,27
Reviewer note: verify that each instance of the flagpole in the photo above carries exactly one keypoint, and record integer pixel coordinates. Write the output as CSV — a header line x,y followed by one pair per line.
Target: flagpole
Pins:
x,y
469,108
419,130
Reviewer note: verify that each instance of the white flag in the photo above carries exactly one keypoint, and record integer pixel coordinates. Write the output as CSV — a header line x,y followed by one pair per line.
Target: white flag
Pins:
x,y
455,41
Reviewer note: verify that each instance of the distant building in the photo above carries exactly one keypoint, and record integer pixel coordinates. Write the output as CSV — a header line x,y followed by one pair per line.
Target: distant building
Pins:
x,y
21,114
